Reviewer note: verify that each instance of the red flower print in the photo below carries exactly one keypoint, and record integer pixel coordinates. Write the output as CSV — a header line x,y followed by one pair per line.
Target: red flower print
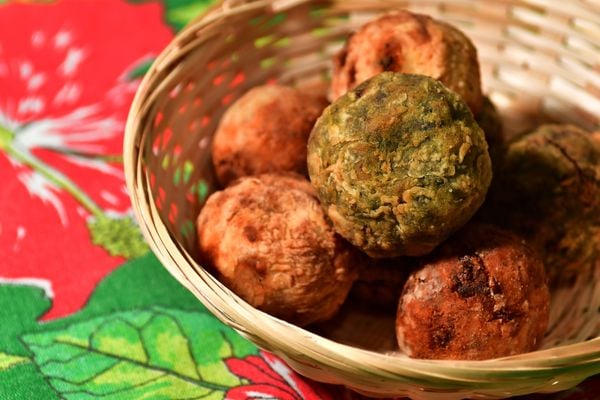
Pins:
x,y
63,105
271,379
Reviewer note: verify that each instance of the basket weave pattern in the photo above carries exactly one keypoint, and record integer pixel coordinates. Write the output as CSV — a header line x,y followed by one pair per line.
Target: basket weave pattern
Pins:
x,y
540,61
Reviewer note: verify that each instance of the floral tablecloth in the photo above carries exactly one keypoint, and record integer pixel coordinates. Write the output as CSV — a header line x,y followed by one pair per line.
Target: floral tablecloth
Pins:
x,y
86,311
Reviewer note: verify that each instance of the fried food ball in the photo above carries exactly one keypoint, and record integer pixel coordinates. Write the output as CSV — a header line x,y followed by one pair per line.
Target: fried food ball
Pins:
x,y
380,281
269,241
490,122
483,294
548,191
414,44
265,131
399,164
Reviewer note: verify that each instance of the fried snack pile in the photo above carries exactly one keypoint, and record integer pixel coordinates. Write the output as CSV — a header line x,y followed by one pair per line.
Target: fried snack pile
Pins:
x,y
400,164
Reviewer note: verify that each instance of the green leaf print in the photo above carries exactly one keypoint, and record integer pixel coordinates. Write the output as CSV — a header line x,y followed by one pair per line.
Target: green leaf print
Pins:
x,y
180,12
154,353
137,284
20,307
24,382
140,335
139,70
7,361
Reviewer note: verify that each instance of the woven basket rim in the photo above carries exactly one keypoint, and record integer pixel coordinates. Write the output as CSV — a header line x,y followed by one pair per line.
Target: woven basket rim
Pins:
x,y
557,355
566,359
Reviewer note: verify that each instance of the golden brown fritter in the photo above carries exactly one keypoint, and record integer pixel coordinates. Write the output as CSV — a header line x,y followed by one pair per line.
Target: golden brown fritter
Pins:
x,y
414,44
483,294
269,241
265,131
399,164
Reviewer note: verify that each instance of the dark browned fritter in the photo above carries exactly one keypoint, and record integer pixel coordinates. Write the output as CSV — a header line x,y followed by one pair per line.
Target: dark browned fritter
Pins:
x,y
269,241
481,295
410,43
399,164
548,190
265,131
380,281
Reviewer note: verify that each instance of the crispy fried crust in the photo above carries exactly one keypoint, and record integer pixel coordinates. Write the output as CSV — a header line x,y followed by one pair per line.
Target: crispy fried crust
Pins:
x,y
269,241
482,295
265,131
410,43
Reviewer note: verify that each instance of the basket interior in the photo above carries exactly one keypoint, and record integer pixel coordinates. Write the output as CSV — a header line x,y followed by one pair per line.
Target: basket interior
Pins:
x,y
538,64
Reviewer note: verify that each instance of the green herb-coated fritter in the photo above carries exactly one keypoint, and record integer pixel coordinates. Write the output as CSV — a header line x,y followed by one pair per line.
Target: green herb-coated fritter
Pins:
x,y
399,164
548,190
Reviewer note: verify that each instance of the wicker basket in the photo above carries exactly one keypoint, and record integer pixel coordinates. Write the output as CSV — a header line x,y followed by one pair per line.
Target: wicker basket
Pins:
x,y
540,61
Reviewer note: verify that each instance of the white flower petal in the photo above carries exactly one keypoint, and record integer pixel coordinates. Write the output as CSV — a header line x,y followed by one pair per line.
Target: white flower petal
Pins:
x,y
68,94
38,186
79,130
253,394
285,372
43,284
36,81
109,197
25,70
121,93
38,38
15,163
98,165
63,39
39,134
82,125
31,104
21,233
114,214
7,122
72,60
